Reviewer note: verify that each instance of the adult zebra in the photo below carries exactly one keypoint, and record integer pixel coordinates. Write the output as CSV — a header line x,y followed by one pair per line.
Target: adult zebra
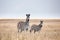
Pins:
x,y
23,25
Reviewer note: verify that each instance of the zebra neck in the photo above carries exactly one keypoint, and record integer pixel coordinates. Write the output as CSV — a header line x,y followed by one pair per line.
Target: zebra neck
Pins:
x,y
40,24
27,22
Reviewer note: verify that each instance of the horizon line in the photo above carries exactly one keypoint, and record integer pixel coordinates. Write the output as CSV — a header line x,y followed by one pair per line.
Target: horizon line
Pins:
x,y
30,18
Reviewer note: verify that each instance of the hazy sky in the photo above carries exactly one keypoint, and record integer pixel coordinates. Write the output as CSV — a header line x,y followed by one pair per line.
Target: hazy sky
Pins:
x,y
37,8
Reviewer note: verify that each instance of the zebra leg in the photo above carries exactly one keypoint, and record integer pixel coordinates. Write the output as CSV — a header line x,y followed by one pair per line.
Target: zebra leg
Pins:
x,y
31,30
34,31
20,30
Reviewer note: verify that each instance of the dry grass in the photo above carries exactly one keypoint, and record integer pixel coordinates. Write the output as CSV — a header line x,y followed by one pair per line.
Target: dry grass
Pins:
x,y
49,31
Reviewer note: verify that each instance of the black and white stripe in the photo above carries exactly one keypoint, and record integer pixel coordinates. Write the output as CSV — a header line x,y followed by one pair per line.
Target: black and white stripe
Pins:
x,y
36,27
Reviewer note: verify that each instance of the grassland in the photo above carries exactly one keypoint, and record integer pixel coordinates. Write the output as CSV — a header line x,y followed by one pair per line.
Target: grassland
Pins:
x,y
49,31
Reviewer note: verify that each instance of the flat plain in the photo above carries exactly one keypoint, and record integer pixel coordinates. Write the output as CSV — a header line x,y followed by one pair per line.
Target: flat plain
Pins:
x,y
49,31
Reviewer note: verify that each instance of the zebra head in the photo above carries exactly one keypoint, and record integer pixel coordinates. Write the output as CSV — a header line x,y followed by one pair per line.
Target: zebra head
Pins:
x,y
27,19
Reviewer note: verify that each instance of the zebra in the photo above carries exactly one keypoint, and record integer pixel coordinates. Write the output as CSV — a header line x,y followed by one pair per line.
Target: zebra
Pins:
x,y
36,27
23,25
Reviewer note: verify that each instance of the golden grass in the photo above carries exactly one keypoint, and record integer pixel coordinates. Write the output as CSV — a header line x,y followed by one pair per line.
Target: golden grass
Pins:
x,y
49,31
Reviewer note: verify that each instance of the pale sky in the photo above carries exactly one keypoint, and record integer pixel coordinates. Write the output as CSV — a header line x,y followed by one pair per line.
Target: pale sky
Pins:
x,y
37,8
